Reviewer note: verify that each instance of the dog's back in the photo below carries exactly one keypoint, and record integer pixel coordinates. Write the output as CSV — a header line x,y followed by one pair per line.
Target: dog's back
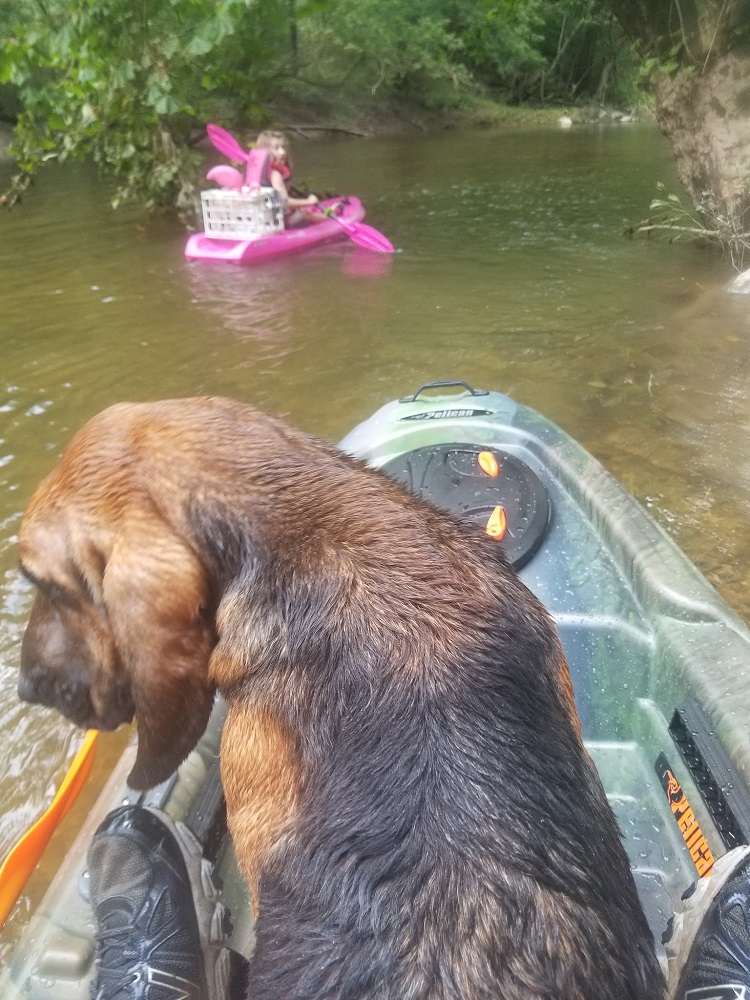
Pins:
x,y
453,839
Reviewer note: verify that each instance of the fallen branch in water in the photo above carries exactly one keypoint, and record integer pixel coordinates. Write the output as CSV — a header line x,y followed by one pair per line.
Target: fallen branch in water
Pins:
x,y
711,221
667,227
324,128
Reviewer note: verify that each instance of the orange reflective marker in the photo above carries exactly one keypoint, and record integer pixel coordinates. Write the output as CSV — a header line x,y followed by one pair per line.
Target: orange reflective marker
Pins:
x,y
497,523
488,463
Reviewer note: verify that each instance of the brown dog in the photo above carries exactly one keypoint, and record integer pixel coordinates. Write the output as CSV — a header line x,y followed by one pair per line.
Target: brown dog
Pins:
x,y
407,789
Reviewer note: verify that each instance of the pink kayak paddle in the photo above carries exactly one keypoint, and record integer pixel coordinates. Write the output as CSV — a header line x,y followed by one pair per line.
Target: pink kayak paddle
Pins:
x,y
227,144
364,236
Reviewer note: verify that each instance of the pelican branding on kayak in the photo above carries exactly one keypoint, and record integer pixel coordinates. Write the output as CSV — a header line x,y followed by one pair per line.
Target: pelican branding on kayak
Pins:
x,y
446,414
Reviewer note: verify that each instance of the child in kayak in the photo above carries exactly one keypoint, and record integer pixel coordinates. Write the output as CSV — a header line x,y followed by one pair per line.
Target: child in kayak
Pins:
x,y
296,212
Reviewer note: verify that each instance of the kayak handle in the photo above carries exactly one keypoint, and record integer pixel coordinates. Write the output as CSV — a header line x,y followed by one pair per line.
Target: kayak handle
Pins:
x,y
441,384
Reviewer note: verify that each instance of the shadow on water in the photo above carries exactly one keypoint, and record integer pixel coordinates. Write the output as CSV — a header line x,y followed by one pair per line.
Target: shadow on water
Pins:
x,y
512,273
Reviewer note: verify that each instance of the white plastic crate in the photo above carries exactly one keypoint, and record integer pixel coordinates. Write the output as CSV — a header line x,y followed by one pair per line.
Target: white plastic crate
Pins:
x,y
241,215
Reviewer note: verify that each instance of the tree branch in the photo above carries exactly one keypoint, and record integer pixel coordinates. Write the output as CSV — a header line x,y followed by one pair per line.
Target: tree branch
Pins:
x,y
713,39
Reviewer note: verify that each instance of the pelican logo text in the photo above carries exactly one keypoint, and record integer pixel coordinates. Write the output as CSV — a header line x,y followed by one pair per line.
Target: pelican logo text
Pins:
x,y
688,825
447,414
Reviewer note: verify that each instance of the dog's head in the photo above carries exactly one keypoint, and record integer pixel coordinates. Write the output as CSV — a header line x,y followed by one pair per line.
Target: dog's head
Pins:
x,y
121,624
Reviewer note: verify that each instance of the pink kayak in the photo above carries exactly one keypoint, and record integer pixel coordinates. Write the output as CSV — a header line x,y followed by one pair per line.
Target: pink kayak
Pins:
x,y
236,251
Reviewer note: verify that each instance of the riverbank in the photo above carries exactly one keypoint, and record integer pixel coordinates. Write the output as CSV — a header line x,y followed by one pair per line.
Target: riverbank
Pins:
x,y
397,118
320,120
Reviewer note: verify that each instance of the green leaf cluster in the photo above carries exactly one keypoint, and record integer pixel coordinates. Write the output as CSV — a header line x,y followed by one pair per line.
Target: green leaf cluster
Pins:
x,y
516,50
130,82
683,34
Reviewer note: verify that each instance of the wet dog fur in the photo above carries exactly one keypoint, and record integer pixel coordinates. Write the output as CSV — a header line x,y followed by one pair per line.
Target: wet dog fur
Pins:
x,y
408,793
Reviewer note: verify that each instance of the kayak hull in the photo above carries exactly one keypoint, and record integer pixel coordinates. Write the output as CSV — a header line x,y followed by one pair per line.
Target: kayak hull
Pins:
x,y
289,241
654,653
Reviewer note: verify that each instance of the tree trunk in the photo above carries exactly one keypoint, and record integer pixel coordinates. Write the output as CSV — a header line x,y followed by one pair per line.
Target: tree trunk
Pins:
x,y
707,119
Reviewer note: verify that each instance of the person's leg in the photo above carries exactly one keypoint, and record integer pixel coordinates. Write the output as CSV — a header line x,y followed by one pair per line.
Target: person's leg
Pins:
x,y
708,942
160,929
303,217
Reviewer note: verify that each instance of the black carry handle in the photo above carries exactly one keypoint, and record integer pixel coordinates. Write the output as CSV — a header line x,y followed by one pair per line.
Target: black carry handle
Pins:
x,y
441,384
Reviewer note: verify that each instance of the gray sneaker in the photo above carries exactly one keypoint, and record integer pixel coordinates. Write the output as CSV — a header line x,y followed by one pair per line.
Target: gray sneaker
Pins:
x,y
160,930
708,942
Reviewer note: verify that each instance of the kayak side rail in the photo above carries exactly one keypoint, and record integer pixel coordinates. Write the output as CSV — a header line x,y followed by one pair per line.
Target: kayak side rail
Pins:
x,y
701,648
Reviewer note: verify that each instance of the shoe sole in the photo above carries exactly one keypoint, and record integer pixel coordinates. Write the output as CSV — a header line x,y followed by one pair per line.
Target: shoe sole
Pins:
x,y
687,922
213,916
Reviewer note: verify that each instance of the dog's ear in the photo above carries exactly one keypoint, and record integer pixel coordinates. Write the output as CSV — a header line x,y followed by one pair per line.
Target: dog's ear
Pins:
x,y
157,595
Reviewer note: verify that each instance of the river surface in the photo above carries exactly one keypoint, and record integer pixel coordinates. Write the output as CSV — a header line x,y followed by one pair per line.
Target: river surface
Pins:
x,y
512,273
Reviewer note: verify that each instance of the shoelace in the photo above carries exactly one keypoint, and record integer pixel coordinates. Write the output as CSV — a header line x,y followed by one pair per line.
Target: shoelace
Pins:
x,y
113,972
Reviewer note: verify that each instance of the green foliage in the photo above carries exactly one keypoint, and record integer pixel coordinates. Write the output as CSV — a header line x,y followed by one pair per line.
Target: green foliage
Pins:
x,y
127,81
131,83
683,35
585,55
520,50
502,42
383,46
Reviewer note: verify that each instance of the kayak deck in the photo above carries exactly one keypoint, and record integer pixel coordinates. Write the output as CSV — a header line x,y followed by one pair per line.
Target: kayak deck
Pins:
x,y
654,655
292,240
651,645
